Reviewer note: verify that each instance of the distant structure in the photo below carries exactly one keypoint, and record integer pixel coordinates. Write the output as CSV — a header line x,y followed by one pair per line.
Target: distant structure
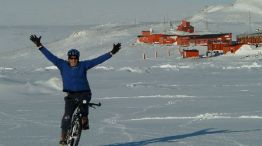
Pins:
x,y
187,38
249,22
251,39
185,27
190,53
215,48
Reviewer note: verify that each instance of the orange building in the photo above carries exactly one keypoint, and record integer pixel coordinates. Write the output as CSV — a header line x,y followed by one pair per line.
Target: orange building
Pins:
x,y
195,39
203,39
190,53
223,47
149,38
253,39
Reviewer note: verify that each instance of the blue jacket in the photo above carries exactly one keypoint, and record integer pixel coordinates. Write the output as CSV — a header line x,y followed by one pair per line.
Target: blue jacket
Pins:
x,y
74,78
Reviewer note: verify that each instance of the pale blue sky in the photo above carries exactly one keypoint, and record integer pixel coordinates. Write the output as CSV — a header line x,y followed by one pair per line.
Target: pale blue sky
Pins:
x,y
81,12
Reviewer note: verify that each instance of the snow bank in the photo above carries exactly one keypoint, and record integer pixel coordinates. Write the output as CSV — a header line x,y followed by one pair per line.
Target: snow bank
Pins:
x,y
248,50
53,83
132,70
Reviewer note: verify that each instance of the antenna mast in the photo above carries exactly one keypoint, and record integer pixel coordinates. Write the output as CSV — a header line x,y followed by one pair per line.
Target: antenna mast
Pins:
x,y
249,22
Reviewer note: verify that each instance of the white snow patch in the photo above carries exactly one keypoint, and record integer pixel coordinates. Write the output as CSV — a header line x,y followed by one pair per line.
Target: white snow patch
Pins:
x,y
132,70
244,90
172,67
54,83
6,68
51,68
134,84
253,65
250,117
48,68
206,116
104,68
167,66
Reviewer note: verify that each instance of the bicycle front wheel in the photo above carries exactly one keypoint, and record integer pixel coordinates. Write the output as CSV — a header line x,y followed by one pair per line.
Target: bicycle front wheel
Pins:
x,y
75,132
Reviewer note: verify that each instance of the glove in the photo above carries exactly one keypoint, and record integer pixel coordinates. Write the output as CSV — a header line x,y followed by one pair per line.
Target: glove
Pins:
x,y
116,48
36,40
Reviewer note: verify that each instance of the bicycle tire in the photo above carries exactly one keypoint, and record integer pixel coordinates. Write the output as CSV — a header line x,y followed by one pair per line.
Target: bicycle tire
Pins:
x,y
74,134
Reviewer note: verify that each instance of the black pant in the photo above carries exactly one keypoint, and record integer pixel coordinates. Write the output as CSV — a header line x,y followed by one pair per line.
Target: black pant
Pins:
x,y
71,105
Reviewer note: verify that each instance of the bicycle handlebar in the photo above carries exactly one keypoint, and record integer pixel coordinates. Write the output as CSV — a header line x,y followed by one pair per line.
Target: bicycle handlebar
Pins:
x,y
93,105
90,104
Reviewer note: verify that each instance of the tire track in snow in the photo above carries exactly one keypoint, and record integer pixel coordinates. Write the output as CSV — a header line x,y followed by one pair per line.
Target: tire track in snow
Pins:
x,y
149,96
113,123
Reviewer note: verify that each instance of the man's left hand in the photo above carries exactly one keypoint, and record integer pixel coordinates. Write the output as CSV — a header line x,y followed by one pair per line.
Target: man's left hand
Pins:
x,y
116,48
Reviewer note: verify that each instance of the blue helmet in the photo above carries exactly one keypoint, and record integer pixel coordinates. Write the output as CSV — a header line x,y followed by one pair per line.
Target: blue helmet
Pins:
x,y
73,52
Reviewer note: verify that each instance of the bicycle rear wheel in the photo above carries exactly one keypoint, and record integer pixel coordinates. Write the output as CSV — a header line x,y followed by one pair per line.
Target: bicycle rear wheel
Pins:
x,y
74,134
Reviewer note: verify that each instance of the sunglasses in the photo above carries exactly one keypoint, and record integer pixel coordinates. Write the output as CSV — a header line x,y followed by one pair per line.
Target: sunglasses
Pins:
x,y
73,58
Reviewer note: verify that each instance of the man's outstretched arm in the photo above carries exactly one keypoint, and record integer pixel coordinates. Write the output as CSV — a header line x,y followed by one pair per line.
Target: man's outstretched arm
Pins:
x,y
93,62
51,57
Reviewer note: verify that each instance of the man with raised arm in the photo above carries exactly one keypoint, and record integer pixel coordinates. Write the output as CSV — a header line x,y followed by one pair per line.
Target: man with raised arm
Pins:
x,y
75,82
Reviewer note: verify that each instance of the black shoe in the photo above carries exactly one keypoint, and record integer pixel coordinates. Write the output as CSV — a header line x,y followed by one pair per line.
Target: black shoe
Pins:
x,y
85,123
62,142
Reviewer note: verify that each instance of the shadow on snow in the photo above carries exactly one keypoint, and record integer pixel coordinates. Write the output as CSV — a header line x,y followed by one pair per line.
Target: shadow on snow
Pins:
x,y
177,137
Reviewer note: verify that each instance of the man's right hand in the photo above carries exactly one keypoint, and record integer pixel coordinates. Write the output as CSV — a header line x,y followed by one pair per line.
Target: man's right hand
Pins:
x,y
36,40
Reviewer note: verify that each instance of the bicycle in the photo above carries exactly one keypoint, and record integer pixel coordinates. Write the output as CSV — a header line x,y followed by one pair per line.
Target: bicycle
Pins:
x,y
74,133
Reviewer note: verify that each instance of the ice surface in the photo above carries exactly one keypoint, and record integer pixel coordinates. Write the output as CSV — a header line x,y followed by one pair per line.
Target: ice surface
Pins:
x,y
158,101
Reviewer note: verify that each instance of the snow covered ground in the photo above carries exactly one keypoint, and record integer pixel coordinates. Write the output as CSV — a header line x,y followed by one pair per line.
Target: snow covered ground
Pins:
x,y
158,101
